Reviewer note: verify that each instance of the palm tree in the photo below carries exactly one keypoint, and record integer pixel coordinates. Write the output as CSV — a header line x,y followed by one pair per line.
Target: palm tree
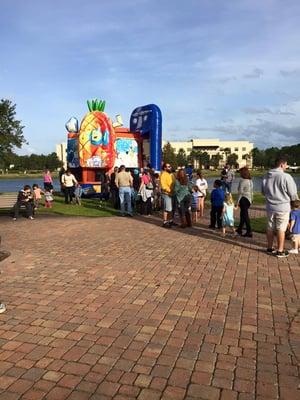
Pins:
x,y
199,158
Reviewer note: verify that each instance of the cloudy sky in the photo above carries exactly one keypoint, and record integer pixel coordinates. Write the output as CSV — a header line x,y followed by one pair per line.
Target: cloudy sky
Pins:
x,y
227,69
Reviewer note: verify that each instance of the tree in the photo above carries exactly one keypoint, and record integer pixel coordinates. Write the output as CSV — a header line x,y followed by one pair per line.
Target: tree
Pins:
x,y
201,157
204,159
226,151
169,155
215,160
232,159
181,158
258,157
247,157
270,156
11,130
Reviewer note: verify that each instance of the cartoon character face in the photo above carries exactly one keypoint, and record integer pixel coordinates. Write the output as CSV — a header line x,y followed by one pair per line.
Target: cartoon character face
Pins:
x,y
96,137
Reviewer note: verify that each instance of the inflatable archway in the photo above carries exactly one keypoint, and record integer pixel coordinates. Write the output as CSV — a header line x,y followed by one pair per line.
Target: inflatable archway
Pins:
x,y
147,121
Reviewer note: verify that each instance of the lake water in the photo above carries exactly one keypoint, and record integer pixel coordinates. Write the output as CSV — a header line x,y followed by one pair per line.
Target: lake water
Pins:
x,y
14,185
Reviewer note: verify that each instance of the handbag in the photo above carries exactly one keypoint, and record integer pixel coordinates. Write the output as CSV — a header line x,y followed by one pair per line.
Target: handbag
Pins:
x,y
149,185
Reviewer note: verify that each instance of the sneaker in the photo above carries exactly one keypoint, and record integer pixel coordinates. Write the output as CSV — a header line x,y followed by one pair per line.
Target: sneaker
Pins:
x,y
14,219
30,218
293,251
172,223
248,234
2,308
271,250
281,254
166,225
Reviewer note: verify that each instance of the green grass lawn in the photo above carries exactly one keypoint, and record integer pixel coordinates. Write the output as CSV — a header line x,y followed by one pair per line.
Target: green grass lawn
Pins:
x,y
88,208
259,224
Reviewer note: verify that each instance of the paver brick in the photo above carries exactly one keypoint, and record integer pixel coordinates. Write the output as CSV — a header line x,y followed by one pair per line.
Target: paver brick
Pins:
x,y
193,316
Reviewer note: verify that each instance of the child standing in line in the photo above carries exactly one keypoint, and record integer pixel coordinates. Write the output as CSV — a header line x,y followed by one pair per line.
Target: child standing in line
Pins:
x,y
78,194
48,198
217,203
294,226
228,214
37,195
194,205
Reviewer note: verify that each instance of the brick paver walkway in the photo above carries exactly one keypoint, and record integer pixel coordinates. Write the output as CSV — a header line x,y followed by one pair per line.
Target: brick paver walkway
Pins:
x,y
118,308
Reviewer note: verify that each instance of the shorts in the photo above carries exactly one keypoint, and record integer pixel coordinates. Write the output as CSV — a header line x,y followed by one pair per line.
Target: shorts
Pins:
x,y
295,237
167,202
278,221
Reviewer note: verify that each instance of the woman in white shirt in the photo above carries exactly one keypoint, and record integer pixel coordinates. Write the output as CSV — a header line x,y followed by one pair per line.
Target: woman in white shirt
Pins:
x,y
202,186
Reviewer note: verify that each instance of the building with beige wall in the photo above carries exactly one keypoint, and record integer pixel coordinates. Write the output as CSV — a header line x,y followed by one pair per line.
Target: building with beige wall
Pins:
x,y
61,152
242,148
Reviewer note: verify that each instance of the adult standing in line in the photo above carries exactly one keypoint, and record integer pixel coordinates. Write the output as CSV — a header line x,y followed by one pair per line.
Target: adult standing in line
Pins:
x,y
202,186
230,178
124,182
224,177
167,182
279,189
113,189
244,201
60,174
48,181
69,183
146,191
183,193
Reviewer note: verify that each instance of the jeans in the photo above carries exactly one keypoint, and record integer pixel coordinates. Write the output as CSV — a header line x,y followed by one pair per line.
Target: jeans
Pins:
x,y
115,197
125,199
226,186
244,216
167,202
28,206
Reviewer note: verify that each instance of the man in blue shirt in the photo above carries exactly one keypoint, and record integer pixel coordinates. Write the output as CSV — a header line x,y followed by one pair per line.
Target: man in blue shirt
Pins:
x,y
217,202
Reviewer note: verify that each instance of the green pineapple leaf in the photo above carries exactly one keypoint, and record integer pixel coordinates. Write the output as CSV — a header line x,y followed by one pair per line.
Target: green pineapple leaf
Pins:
x,y
96,105
89,103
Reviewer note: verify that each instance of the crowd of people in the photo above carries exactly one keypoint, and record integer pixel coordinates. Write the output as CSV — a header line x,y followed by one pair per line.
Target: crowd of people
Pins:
x,y
183,193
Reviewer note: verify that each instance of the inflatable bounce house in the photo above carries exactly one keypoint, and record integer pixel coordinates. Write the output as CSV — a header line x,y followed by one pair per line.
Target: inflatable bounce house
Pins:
x,y
99,145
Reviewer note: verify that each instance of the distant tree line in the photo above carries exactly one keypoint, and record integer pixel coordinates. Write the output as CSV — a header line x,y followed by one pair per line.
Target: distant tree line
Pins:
x,y
34,162
202,158
263,159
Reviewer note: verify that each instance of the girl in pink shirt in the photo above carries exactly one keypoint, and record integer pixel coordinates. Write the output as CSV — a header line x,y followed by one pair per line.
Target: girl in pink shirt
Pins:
x,y
48,181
